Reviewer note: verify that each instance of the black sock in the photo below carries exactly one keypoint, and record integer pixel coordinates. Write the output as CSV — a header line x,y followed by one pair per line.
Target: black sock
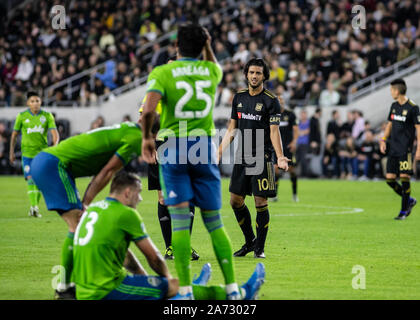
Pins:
x,y
244,219
165,224
406,189
293,179
394,186
192,211
263,218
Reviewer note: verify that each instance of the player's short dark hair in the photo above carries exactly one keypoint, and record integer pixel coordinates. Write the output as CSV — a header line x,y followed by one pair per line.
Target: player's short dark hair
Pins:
x,y
124,179
31,94
191,39
400,85
259,63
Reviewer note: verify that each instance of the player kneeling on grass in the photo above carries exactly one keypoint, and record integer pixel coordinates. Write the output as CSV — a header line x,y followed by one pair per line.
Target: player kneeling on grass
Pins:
x,y
102,257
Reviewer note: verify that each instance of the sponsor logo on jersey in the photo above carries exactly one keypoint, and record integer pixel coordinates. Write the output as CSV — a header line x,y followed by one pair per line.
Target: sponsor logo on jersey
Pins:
x,y
258,107
397,117
35,129
248,116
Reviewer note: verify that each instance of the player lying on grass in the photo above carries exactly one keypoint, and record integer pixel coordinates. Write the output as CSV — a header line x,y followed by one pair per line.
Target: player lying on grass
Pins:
x,y
99,153
102,257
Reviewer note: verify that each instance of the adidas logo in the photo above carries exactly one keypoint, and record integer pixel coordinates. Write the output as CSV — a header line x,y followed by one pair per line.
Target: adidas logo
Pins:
x,y
172,194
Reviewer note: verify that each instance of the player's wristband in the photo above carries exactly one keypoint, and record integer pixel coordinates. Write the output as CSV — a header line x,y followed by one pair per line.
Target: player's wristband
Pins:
x,y
383,138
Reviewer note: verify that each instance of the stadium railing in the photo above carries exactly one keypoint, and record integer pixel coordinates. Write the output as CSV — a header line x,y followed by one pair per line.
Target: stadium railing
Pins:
x,y
383,77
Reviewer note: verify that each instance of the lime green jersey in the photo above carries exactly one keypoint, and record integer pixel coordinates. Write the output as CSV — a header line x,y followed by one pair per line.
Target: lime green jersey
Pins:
x,y
188,87
86,154
102,238
34,129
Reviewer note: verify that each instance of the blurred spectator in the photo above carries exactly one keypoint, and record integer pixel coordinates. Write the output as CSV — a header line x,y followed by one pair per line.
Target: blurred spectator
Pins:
x,y
348,159
24,70
329,97
330,160
107,77
334,125
315,132
358,125
303,143
97,123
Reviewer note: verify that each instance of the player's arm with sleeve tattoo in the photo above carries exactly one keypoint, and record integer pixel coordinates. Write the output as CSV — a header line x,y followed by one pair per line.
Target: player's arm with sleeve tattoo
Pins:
x,y
133,265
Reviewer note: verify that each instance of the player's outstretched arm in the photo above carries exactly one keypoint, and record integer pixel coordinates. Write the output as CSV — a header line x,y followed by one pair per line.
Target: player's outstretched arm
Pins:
x,y
208,53
101,179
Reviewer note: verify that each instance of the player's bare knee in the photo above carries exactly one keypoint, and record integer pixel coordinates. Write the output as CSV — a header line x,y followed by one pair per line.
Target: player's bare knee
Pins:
x,y
259,201
236,201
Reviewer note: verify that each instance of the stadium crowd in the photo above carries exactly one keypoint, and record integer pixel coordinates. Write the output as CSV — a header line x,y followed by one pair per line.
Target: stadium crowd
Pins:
x,y
313,51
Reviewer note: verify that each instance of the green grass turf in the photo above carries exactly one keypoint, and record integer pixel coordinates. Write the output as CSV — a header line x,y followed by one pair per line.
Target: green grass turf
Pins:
x,y
311,249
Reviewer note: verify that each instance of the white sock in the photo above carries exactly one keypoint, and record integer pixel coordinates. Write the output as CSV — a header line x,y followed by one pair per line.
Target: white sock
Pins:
x,y
232,287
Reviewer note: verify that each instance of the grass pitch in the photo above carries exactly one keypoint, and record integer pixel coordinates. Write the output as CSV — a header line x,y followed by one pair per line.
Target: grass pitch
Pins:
x,y
313,246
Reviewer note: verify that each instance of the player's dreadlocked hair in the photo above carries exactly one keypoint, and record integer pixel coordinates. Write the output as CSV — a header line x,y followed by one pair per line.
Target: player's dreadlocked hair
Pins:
x,y
259,63
124,179
191,40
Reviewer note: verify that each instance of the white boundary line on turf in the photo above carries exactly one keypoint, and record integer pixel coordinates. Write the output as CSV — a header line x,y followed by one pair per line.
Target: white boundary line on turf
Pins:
x,y
346,210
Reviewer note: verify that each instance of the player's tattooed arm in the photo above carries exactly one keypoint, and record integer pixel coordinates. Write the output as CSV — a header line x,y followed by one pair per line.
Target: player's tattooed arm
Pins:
x,y
133,265
154,257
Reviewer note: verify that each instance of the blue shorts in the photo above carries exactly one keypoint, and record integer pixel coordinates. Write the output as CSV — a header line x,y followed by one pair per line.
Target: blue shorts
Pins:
x,y
26,166
56,183
194,178
139,287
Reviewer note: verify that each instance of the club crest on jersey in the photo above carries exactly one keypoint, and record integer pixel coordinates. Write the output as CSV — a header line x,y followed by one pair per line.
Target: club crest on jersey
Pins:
x,y
42,119
404,113
258,107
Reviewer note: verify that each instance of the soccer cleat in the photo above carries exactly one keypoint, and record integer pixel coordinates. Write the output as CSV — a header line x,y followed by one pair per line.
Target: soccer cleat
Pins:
x,y
295,198
169,253
204,276
178,296
194,254
254,283
34,212
246,248
401,216
69,294
411,205
259,253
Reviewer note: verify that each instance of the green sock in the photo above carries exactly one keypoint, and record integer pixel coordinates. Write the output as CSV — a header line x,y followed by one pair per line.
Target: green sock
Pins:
x,y
181,243
209,292
221,243
33,193
67,257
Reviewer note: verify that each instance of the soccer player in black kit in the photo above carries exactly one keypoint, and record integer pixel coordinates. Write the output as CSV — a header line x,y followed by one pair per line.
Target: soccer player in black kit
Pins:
x,y
289,132
254,110
401,130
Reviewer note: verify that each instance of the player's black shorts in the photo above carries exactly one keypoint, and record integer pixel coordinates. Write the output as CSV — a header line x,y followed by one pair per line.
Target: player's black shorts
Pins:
x,y
153,173
262,185
402,164
287,154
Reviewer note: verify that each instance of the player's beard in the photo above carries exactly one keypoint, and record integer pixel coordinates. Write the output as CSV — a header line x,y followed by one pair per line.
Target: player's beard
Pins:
x,y
255,86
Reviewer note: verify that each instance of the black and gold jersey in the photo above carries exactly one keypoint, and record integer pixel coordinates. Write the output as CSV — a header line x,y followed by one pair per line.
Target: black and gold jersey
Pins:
x,y
404,118
253,114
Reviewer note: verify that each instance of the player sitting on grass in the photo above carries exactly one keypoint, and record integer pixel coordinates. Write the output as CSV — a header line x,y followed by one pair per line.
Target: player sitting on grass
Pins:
x,y
101,252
